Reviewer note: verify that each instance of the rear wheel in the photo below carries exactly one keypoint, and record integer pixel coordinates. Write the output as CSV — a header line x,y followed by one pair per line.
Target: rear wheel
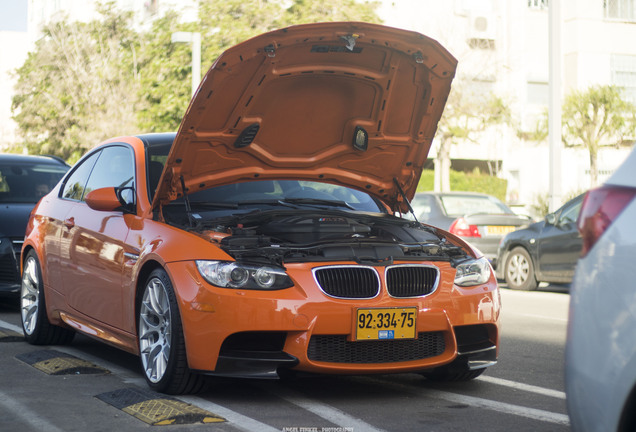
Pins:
x,y
35,323
161,341
519,270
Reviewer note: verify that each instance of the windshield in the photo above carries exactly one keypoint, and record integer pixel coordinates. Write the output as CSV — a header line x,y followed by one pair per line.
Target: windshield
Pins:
x,y
290,193
27,183
460,205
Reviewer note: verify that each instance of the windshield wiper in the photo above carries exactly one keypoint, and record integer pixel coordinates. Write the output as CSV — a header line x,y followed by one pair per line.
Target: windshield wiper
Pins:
x,y
319,202
213,205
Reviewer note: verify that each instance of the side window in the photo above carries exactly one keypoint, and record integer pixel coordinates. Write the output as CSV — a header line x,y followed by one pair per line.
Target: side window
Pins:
x,y
75,184
571,213
114,168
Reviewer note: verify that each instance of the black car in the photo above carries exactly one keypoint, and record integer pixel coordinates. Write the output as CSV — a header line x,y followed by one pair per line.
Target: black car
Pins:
x,y
23,181
545,251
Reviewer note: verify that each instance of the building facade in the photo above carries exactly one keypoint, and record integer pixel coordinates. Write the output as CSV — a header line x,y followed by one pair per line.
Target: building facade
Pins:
x,y
503,47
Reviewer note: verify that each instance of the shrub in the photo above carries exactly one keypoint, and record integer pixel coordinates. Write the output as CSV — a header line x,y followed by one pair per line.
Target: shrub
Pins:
x,y
471,182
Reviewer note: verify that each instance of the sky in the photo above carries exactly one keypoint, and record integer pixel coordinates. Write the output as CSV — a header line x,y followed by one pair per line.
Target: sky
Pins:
x,y
13,15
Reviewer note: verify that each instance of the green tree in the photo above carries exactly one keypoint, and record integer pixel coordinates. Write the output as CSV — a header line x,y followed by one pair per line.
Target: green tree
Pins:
x,y
166,72
78,87
86,82
596,117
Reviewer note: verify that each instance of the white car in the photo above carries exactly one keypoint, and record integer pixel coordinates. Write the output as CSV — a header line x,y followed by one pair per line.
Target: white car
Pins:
x,y
600,360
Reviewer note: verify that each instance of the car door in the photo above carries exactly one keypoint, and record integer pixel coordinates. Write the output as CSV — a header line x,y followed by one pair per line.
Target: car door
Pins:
x,y
56,242
560,243
92,259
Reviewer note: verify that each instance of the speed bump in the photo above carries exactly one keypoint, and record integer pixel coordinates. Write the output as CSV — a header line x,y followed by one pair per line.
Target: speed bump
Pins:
x,y
157,409
10,336
54,362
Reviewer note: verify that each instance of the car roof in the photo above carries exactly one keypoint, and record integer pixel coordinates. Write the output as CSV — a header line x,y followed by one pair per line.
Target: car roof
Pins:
x,y
29,159
454,193
160,138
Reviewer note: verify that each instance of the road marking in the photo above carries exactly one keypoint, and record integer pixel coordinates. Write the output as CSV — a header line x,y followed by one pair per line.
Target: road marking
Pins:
x,y
518,410
25,414
238,420
10,326
525,387
531,413
323,410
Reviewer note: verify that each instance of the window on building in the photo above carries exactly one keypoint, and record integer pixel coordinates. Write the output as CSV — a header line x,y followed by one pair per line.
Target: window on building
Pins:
x,y
538,4
620,9
623,70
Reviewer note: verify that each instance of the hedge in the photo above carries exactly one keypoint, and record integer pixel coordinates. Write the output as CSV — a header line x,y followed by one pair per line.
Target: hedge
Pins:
x,y
472,182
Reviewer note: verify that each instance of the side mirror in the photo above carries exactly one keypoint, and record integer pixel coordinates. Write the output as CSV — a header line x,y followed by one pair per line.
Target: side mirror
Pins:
x,y
551,219
110,199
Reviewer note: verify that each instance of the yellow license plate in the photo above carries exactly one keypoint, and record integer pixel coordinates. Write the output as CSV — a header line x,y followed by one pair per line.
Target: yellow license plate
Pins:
x,y
499,229
386,323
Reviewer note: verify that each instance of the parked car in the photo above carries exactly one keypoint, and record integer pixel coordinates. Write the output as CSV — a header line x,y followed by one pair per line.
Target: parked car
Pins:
x,y
23,181
600,354
478,218
262,235
545,251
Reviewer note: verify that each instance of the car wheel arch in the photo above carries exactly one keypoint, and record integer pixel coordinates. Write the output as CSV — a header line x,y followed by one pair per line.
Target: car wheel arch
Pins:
x,y
147,268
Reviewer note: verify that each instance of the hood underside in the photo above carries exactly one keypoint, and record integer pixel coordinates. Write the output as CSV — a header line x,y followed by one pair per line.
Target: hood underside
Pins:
x,y
352,104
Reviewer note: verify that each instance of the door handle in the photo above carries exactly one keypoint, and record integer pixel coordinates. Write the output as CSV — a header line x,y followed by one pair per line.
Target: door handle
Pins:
x,y
69,223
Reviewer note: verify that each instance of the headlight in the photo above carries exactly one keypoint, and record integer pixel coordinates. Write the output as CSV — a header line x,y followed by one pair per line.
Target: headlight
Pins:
x,y
234,275
473,272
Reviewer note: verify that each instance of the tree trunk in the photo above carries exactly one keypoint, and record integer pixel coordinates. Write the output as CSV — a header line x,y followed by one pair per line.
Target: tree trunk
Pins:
x,y
442,167
593,167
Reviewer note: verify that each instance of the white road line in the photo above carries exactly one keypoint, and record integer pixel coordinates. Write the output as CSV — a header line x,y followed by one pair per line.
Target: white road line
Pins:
x,y
11,327
518,410
238,420
325,411
531,413
525,387
25,414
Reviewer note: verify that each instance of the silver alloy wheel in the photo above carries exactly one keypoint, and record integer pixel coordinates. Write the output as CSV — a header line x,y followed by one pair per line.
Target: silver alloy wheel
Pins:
x,y
30,295
518,269
155,330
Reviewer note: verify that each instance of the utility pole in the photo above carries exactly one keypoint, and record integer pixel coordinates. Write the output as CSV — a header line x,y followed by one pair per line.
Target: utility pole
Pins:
x,y
554,105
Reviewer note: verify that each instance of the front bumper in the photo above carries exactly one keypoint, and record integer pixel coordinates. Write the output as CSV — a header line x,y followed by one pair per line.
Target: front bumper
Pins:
x,y
254,333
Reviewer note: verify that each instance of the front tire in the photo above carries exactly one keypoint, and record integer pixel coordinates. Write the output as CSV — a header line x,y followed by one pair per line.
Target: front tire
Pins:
x,y
35,322
161,342
519,270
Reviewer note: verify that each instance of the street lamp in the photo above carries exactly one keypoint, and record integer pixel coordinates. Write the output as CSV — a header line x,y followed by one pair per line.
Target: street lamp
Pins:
x,y
195,39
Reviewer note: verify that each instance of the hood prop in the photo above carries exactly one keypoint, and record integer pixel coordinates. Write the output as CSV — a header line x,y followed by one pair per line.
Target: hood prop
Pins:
x,y
406,200
186,201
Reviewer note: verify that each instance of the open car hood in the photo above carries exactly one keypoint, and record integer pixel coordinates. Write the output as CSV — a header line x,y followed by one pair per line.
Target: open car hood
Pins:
x,y
353,104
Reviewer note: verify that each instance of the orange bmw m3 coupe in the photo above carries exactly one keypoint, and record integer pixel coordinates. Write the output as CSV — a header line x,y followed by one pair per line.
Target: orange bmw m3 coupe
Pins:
x,y
267,234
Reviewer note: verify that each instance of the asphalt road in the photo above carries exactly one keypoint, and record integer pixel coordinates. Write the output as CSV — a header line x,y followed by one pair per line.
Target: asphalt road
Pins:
x,y
105,390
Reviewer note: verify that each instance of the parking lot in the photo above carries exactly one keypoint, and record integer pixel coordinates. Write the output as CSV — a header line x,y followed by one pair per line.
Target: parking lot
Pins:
x,y
102,389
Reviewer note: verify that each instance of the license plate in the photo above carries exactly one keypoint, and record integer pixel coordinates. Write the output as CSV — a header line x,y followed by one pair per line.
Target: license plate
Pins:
x,y
499,229
386,323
